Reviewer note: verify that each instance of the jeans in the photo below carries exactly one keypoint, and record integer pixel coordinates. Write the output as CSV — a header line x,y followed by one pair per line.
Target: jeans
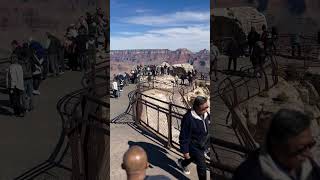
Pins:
x,y
53,63
234,60
115,93
45,67
61,60
82,61
28,88
36,81
16,100
197,156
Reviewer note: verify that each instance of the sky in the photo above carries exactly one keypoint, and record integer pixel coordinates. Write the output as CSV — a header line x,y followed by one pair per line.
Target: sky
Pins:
x,y
160,24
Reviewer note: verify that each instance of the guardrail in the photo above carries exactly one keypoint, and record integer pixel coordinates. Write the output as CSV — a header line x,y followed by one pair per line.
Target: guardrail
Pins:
x,y
162,119
69,106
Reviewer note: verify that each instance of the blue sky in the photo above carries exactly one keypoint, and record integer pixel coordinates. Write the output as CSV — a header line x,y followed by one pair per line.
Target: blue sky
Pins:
x,y
165,24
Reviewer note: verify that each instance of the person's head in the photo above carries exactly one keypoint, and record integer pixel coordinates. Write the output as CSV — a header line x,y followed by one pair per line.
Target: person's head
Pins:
x,y
135,163
200,105
253,29
289,138
48,34
264,27
25,45
14,59
30,39
14,44
91,38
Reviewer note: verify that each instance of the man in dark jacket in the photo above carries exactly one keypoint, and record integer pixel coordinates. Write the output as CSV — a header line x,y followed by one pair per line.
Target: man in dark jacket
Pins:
x,y
194,137
286,153
253,37
81,42
234,52
53,49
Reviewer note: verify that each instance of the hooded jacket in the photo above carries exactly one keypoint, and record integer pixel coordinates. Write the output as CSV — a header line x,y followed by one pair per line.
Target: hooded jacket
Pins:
x,y
194,130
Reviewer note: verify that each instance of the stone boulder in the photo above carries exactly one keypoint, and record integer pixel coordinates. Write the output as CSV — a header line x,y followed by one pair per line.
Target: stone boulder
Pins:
x,y
286,94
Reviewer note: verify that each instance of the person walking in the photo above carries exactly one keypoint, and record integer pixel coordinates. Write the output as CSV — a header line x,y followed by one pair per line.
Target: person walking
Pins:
x,y
194,137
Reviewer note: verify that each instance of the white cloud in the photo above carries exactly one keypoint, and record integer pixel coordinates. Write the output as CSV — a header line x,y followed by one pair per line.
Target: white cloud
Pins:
x,y
194,38
129,33
178,18
143,10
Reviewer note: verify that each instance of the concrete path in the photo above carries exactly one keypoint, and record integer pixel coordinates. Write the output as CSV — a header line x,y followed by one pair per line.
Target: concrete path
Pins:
x,y
26,142
124,134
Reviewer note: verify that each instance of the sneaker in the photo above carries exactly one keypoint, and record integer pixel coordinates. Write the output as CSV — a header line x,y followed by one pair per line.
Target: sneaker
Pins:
x,y
184,169
207,155
36,92
62,72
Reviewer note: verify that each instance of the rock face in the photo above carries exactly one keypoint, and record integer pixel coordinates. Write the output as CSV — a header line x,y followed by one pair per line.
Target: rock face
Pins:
x,y
278,12
286,94
200,59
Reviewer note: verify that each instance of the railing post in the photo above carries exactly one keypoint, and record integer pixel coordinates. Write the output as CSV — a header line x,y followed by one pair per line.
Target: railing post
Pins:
x,y
169,145
137,109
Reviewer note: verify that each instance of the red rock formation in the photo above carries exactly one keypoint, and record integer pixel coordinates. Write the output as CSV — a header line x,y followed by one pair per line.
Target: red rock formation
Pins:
x,y
126,59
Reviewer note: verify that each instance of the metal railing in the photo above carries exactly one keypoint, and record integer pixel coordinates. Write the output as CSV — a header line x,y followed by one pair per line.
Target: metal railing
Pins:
x,y
162,114
69,106
162,119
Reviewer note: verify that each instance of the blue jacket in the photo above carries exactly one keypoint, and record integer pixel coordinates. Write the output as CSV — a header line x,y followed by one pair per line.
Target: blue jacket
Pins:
x,y
194,130
36,46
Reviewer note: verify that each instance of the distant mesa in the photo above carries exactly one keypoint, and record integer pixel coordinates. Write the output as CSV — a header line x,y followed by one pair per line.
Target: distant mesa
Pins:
x,y
124,59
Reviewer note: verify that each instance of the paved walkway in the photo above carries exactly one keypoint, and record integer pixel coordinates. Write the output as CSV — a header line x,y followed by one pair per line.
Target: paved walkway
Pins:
x,y
124,134
26,142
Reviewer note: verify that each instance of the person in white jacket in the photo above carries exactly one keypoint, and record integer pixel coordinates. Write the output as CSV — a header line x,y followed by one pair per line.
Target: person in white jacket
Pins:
x,y
115,89
15,85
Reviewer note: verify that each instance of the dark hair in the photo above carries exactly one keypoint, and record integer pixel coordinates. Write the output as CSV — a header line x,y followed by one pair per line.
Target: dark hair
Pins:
x,y
198,101
286,124
264,26
14,42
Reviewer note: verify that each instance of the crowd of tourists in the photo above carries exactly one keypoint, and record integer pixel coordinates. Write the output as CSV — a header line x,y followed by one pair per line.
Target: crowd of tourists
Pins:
x,y
120,80
33,62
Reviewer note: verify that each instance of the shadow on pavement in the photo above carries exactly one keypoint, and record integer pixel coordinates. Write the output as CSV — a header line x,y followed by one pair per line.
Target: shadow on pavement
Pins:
x,y
4,104
157,156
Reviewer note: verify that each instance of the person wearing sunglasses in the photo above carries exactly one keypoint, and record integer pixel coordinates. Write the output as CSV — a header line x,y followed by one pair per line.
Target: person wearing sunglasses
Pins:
x,y
194,137
286,153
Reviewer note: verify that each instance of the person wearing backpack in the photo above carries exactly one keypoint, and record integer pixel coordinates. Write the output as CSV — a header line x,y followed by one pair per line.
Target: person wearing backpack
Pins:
x,y
37,58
